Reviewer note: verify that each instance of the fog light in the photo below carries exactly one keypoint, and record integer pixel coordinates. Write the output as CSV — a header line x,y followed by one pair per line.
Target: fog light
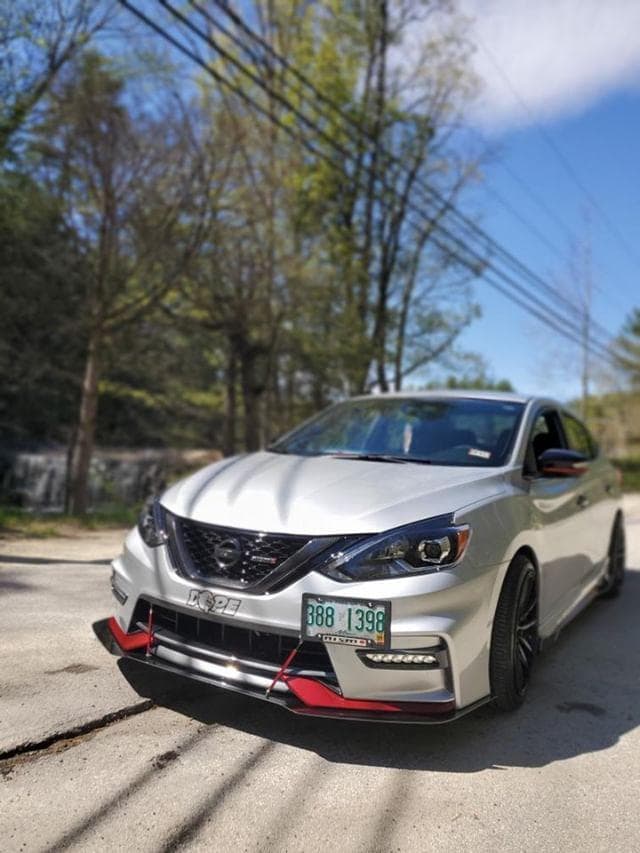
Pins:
x,y
402,658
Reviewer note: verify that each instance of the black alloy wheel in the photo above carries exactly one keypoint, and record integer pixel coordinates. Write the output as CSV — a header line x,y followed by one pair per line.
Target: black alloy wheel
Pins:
x,y
616,561
514,641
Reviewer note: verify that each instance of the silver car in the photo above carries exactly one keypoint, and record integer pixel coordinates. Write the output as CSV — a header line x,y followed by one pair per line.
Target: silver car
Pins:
x,y
398,557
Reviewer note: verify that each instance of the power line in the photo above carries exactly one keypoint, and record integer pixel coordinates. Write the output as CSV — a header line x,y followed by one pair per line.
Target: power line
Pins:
x,y
533,229
561,157
476,263
538,233
362,131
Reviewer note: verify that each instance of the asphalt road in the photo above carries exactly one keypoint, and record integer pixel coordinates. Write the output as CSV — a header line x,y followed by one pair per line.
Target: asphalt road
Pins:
x,y
108,757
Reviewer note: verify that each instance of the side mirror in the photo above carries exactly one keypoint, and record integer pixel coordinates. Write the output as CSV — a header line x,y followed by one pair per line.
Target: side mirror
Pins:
x,y
560,462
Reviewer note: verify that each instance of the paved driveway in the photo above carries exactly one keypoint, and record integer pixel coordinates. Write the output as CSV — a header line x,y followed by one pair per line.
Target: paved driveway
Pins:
x,y
121,758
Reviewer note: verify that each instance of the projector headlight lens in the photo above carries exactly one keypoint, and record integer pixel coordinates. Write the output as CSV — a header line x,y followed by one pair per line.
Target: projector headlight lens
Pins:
x,y
420,548
151,524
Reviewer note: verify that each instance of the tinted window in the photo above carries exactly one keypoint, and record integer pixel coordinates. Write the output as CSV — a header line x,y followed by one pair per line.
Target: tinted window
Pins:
x,y
442,431
578,436
545,435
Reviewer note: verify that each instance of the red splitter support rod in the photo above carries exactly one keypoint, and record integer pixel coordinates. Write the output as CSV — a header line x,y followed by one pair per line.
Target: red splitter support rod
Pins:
x,y
149,632
283,668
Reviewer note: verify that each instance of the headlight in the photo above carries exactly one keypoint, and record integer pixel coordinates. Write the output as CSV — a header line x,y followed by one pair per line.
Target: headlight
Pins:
x,y
151,524
427,546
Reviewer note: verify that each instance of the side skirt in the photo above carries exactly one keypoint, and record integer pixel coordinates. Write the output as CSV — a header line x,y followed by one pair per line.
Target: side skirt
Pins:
x,y
589,595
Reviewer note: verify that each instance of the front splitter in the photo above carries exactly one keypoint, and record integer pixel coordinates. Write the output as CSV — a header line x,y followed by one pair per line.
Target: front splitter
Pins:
x,y
305,696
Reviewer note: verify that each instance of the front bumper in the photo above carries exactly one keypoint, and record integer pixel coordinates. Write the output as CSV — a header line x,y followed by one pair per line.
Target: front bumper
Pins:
x,y
290,688
447,614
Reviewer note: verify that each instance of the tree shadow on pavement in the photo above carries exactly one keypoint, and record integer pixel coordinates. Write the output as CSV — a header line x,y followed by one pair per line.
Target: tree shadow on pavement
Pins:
x,y
13,582
583,698
14,560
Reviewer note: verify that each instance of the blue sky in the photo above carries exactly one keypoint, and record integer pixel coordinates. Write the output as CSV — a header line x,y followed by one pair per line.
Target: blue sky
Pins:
x,y
568,71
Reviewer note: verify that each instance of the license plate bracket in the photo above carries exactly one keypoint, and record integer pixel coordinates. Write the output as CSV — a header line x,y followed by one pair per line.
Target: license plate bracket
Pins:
x,y
357,622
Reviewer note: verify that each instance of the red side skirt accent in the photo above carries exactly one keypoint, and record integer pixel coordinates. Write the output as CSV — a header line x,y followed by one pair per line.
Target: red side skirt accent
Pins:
x,y
317,695
128,642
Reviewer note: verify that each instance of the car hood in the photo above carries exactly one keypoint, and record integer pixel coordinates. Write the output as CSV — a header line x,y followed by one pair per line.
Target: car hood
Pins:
x,y
321,495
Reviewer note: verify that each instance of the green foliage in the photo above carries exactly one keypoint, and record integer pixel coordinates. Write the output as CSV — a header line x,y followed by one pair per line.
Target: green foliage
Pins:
x,y
18,523
627,350
630,469
478,383
201,275
42,327
472,373
159,388
37,40
614,420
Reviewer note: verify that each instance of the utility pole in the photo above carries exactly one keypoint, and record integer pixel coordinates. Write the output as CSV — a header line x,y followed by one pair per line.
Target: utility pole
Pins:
x,y
582,286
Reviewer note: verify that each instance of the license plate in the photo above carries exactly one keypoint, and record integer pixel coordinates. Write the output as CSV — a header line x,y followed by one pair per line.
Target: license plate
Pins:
x,y
346,621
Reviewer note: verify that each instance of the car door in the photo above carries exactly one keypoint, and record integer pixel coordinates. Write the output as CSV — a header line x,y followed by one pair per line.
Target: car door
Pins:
x,y
595,526
558,520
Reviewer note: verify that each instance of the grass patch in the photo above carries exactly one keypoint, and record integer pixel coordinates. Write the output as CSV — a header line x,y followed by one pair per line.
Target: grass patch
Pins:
x,y
630,473
16,522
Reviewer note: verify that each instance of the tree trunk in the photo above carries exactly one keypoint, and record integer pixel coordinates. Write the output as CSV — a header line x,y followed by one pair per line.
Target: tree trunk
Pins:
x,y
252,399
83,438
380,332
231,406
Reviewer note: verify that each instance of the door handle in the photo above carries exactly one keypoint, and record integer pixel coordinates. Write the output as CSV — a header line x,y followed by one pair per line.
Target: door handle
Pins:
x,y
583,501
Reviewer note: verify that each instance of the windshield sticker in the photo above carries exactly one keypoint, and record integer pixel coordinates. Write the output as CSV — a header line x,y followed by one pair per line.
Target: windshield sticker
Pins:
x,y
206,601
407,437
481,454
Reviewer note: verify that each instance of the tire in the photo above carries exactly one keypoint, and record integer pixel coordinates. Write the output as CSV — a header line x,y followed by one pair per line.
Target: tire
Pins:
x,y
617,559
514,639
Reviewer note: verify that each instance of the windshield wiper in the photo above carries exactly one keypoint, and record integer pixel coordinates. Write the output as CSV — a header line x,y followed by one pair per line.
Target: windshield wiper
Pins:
x,y
379,457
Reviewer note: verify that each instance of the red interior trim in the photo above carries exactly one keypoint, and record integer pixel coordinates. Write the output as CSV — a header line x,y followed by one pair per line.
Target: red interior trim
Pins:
x,y
128,642
317,695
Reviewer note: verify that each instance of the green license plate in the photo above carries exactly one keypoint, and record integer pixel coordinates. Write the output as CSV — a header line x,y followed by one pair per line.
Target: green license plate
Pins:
x,y
346,621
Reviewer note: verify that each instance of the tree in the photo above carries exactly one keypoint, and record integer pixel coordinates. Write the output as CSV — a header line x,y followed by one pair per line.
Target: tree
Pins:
x,y
580,294
36,41
575,286
471,371
121,180
314,280
478,384
236,285
41,318
627,349
205,261
394,273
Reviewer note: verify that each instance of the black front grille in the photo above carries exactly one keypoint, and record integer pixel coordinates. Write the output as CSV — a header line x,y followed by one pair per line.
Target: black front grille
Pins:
x,y
237,641
229,557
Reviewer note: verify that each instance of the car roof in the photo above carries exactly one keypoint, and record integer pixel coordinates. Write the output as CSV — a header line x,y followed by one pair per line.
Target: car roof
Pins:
x,y
470,393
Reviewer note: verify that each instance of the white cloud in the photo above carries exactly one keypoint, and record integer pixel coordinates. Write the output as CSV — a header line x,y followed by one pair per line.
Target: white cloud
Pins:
x,y
559,56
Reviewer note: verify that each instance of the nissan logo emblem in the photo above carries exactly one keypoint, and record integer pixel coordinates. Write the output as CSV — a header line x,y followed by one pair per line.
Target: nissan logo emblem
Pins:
x,y
227,553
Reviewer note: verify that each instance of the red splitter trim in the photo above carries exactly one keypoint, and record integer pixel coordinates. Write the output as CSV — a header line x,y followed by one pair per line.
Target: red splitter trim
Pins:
x,y
128,642
314,694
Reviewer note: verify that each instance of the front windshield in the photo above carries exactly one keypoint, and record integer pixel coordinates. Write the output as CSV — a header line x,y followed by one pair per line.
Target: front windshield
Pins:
x,y
453,431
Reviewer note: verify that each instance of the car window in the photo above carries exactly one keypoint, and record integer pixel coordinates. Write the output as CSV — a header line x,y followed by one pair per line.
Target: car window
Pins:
x,y
447,431
547,430
545,435
578,436
541,426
